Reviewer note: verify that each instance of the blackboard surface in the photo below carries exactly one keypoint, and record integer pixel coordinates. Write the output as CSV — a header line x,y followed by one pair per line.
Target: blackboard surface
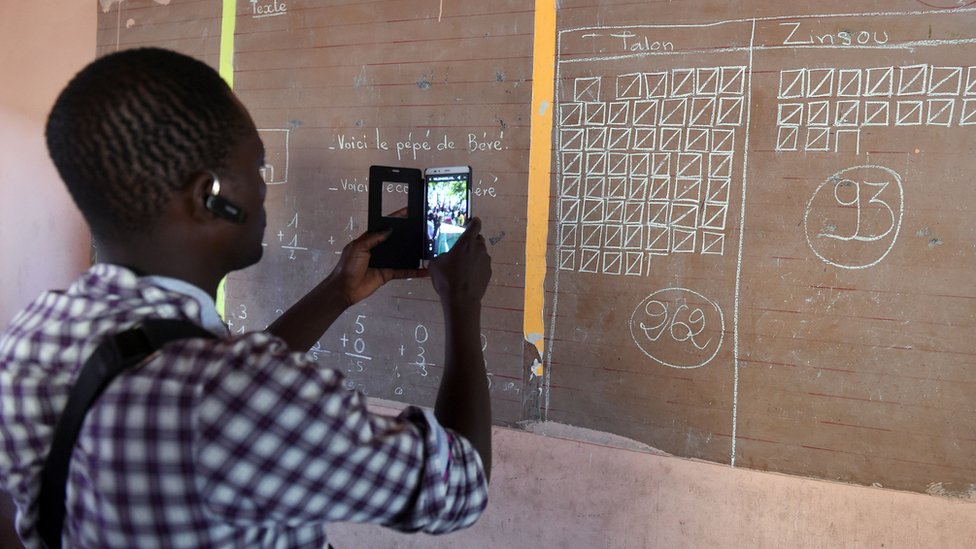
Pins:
x,y
758,250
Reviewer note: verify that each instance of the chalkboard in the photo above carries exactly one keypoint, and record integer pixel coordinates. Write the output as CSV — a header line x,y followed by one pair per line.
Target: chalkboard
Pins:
x,y
731,231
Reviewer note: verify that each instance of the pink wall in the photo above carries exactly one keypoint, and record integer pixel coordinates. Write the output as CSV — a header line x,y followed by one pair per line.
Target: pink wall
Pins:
x,y
548,491
43,240
561,491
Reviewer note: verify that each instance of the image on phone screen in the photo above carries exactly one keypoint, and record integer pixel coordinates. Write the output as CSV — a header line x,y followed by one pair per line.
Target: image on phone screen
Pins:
x,y
447,211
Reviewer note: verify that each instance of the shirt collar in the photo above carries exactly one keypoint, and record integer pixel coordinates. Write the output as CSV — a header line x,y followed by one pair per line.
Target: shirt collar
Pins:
x,y
208,309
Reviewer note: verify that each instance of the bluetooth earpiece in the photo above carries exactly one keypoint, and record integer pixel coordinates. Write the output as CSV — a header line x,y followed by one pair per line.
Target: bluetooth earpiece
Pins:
x,y
220,206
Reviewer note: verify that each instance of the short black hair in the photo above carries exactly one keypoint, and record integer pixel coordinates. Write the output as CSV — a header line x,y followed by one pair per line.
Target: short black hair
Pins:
x,y
133,127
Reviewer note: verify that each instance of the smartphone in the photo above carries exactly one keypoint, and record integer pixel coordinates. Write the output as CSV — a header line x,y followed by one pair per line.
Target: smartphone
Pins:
x,y
447,207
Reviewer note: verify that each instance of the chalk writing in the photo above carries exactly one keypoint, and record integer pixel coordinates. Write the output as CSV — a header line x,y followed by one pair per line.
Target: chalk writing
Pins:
x,y
853,218
352,185
287,238
316,350
485,191
276,155
824,109
421,335
271,8
484,347
415,144
647,171
357,349
678,327
628,40
798,36
236,321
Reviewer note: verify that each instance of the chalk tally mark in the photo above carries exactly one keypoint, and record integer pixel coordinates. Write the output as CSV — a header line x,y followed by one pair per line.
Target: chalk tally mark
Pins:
x,y
646,161
824,109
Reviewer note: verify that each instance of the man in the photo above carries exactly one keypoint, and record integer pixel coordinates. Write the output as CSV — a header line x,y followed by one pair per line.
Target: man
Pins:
x,y
234,441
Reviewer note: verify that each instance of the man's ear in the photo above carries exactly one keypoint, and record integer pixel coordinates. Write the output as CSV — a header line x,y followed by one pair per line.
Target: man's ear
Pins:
x,y
194,195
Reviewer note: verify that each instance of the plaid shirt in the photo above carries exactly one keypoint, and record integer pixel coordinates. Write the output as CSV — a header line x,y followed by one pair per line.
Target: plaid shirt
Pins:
x,y
234,442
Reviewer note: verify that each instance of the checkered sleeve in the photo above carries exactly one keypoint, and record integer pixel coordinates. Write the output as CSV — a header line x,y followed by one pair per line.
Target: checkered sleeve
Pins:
x,y
279,440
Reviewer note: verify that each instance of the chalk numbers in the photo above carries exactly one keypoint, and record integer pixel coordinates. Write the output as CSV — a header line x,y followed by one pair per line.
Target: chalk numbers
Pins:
x,y
355,347
678,327
315,351
853,218
413,366
680,322
414,350
420,336
848,193
236,319
484,348
292,245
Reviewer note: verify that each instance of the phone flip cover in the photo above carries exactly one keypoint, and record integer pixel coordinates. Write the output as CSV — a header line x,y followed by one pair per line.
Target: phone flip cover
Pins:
x,y
404,247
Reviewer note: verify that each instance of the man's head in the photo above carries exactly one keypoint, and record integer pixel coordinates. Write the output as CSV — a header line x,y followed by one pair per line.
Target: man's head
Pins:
x,y
133,127
137,129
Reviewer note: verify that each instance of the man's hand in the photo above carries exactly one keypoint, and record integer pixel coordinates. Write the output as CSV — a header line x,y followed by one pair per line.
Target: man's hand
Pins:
x,y
351,281
461,278
461,275
353,276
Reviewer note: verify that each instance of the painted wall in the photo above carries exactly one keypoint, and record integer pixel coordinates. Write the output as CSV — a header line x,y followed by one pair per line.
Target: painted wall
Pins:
x,y
43,241
569,489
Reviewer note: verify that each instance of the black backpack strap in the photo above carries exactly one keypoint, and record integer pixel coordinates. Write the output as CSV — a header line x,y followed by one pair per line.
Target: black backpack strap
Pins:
x,y
114,355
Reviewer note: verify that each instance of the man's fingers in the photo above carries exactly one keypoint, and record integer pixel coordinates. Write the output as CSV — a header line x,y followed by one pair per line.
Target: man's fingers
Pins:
x,y
472,230
371,240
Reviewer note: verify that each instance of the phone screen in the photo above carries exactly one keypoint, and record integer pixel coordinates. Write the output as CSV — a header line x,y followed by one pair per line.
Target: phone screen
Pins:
x,y
447,210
